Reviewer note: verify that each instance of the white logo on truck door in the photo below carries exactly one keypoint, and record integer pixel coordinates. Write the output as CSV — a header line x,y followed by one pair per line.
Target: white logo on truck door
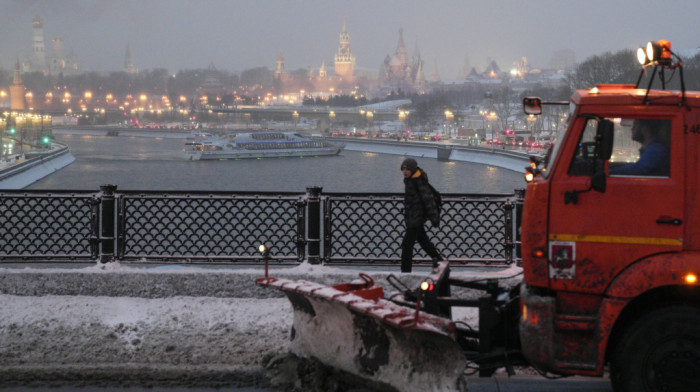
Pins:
x,y
562,259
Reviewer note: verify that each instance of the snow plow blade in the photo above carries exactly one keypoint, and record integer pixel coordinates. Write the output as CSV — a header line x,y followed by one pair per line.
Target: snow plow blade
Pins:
x,y
352,327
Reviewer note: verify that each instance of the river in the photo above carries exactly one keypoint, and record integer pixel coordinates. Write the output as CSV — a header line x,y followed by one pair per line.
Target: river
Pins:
x,y
140,163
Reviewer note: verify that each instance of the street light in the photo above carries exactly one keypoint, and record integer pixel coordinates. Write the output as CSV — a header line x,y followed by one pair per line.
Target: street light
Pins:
x,y
331,118
370,117
295,115
20,125
531,119
403,114
449,117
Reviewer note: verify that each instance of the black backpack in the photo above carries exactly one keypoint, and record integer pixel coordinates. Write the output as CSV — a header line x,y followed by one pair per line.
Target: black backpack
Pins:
x,y
438,198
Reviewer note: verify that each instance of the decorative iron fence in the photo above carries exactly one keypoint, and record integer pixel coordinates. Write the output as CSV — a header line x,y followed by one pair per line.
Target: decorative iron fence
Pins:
x,y
220,227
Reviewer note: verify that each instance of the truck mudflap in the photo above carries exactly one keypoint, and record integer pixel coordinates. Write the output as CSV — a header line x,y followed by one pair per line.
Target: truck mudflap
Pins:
x,y
352,327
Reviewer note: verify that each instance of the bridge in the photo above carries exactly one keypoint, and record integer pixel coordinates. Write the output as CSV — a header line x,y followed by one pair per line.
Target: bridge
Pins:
x,y
385,111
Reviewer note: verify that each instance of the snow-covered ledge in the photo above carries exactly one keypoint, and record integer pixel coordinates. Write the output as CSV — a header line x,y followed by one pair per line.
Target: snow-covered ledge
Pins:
x,y
169,324
24,172
125,324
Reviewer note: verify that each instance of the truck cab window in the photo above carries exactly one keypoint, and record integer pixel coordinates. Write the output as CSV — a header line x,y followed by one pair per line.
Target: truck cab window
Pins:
x,y
641,148
583,162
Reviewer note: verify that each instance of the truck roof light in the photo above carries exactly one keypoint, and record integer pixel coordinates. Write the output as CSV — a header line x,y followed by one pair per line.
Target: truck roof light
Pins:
x,y
655,53
642,56
659,52
690,278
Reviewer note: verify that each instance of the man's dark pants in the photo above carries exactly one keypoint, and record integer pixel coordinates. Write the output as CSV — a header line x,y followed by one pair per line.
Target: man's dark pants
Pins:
x,y
412,235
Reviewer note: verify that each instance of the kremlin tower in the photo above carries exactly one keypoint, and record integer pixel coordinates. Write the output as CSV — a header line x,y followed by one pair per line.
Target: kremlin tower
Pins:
x,y
344,60
128,62
17,91
280,72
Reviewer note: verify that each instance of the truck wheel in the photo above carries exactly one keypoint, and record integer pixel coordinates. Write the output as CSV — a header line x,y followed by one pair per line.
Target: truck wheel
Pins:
x,y
659,352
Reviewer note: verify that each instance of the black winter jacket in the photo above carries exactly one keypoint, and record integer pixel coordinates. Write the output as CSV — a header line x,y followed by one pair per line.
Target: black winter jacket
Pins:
x,y
419,203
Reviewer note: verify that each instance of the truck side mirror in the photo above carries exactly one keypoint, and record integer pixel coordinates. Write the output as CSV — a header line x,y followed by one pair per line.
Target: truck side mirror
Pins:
x,y
532,105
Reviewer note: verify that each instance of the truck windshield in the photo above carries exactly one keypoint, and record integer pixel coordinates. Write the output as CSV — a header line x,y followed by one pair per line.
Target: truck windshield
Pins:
x,y
558,138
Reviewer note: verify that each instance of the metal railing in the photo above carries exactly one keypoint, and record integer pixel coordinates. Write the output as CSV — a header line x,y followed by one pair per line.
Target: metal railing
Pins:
x,y
221,227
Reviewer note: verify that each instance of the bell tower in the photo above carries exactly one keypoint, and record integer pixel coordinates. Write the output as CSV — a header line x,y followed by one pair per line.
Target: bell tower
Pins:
x,y
38,47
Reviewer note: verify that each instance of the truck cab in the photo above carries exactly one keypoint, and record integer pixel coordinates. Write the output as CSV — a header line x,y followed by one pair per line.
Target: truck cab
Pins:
x,y
610,241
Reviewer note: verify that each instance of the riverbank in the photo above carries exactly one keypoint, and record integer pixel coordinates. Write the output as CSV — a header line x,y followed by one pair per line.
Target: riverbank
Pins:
x,y
22,170
514,160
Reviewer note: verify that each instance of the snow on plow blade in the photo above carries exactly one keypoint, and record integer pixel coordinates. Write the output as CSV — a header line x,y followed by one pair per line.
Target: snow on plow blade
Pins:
x,y
352,327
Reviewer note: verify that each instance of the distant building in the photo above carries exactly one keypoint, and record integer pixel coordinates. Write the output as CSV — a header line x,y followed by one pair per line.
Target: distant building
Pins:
x,y
344,59
434,75
129,62
17,91
492,73
38,62
212,85
58,61
280,72
54,64
397,73
322,81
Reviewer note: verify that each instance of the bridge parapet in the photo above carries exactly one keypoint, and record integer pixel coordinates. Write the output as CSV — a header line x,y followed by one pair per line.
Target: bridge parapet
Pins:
x,y
221,227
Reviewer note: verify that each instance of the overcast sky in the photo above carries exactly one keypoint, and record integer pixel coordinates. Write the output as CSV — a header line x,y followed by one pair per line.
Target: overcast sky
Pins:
x,y
240,34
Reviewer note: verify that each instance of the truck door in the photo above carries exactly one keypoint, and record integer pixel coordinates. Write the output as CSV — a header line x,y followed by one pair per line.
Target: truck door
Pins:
x,y
593,235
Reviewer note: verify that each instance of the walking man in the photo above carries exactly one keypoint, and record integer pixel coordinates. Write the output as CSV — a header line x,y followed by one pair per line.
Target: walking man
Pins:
x,y
419,206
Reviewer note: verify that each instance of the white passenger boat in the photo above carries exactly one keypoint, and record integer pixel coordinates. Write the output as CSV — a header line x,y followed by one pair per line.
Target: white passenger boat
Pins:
x,y
258,145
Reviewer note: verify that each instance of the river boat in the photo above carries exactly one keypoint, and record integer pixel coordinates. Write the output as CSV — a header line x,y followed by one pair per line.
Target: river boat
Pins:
x,y
268,144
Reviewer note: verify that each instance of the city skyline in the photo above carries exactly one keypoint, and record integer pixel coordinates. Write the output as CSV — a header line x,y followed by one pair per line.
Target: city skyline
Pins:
x,y
239,35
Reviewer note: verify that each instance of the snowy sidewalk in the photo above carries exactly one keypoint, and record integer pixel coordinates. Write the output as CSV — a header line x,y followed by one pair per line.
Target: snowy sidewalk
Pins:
x,y
167,337
116,322
171,323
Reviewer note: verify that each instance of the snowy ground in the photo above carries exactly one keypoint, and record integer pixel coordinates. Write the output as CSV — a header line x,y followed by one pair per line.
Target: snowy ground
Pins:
x,y
225,338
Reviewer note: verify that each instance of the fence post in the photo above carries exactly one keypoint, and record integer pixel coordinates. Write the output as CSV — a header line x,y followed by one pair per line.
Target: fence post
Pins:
x,y
313,234
520,198
95,226
107,223
301,229
508,208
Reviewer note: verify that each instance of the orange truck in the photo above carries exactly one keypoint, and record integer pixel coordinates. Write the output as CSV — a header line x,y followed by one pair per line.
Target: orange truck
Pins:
x,y
610,261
